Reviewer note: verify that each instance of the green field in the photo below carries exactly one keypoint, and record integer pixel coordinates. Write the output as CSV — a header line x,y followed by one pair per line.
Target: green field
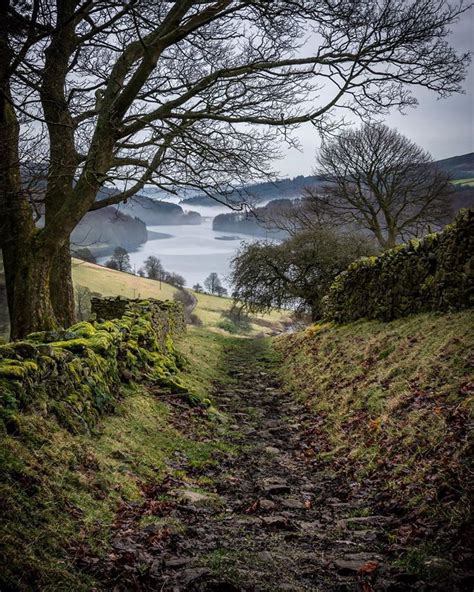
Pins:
x,y
464,182
109,282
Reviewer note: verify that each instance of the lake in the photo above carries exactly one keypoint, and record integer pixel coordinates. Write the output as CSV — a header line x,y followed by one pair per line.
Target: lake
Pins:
x,y
192,251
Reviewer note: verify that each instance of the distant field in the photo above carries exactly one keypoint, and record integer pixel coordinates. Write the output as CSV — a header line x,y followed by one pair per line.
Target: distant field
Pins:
x,y
466,182
210,309
110,282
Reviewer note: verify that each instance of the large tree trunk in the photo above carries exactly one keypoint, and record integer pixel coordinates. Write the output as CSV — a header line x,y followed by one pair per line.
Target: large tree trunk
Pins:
x,y
26,264
27,273
61,287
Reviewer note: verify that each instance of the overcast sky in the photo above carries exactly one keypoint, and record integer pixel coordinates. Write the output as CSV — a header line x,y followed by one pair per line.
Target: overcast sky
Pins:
x,y
444,127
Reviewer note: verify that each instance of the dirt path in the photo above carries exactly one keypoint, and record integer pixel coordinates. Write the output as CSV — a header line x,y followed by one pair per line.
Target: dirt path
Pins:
x,y
259,520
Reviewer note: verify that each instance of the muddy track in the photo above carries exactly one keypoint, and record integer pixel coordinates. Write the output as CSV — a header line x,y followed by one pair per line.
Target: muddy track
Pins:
x,y
265,519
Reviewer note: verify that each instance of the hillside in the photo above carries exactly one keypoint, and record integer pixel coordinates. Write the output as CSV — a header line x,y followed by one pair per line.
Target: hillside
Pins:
x,y
389,407
257,222
155,213
259,192
209,309
103,230
459,167
109,282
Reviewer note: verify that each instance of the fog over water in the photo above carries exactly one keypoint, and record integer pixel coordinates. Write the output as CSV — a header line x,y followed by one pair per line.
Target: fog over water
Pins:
x,y
192,251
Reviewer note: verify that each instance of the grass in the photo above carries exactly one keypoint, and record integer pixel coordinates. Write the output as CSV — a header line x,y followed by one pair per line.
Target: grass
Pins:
x,y
203,350
391,403
209,309
466,182
110,282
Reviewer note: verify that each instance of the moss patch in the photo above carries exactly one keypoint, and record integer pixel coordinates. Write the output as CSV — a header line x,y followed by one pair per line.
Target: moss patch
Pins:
x,y
76,374
433,274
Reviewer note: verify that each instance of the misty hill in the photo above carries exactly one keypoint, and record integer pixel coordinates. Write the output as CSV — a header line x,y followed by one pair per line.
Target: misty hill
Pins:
x,y
259,192
459,167
102,230
252,222
125,225
152,211
157,213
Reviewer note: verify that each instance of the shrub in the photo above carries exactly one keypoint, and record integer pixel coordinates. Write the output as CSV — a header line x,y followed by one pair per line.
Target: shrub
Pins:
x,y
229,326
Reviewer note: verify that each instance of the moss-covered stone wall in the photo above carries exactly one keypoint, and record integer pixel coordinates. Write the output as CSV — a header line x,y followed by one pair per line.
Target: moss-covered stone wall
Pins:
x,y
432,274
76,374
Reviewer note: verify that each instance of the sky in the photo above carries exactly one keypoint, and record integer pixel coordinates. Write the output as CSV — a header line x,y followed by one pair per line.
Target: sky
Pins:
x,y
444,127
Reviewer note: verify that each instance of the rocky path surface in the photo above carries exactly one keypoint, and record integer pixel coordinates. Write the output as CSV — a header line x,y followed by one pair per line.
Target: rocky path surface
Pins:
x,y
262,519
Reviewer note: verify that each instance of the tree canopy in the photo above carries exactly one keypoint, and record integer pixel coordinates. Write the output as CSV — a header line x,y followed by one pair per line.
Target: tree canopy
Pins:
x,y
379,180
213,284
153,268
120,260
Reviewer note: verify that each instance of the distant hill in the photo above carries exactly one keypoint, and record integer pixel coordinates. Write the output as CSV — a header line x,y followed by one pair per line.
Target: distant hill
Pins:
x,y
253,222
125,224
259,192
155,213
459,167
103,230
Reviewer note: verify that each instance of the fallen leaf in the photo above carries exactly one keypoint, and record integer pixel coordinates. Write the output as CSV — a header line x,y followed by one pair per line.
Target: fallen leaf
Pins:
x,y
369,567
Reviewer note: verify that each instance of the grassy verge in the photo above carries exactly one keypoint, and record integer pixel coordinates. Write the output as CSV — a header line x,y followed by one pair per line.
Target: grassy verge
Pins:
x,y
391,404
211,308
60,493
110,282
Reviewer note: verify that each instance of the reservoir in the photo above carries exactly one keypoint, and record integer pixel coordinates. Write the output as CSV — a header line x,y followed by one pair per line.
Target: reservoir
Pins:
x,y
193,251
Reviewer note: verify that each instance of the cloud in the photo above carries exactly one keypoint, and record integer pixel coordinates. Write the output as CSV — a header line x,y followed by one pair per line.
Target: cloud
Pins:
x,y
444,127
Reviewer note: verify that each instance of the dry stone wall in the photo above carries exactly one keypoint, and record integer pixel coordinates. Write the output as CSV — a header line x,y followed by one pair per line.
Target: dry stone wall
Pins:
x,y
76,374
433,274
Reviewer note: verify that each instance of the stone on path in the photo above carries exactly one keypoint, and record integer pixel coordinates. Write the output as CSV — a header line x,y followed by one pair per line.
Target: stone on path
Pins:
x,y
194,497
272,450
266,504
293,504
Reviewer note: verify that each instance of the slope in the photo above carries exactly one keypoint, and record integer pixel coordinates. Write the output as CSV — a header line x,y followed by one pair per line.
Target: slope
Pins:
x,y
209,309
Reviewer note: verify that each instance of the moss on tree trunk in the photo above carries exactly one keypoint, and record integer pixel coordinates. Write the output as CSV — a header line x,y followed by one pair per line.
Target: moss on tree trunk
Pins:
x,y
28,269
61,287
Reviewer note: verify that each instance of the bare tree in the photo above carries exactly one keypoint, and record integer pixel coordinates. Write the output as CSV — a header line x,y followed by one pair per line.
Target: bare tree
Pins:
x,y
381,181
213,284
194,93
153,268
120,260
